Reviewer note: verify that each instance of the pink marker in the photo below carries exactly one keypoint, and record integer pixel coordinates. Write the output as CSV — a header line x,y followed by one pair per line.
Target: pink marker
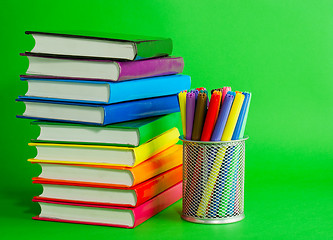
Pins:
x,y
225,90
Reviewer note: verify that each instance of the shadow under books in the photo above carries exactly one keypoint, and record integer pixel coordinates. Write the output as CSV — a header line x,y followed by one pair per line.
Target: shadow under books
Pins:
x,y
21,199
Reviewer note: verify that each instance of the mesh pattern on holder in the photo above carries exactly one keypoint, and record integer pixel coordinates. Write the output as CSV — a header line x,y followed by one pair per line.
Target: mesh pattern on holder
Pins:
x,y
213,178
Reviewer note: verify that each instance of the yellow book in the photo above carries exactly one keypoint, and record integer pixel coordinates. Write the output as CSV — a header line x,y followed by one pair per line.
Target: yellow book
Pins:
x,y
233,116
104,155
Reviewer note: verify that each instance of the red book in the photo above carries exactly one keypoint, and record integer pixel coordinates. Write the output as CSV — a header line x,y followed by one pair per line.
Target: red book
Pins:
x,y
106,215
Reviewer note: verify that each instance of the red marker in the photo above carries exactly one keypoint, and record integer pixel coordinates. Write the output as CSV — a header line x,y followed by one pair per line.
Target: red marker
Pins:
x,y
201,88
219,106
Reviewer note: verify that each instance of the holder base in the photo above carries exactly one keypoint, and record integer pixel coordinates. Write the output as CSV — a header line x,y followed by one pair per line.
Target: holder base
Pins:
x,y
215,221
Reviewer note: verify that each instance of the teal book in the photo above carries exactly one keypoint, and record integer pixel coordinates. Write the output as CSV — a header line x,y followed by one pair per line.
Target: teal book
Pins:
x,y
129,134
103,92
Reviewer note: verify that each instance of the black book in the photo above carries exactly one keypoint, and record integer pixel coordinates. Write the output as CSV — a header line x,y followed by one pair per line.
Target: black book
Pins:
x,y
99,46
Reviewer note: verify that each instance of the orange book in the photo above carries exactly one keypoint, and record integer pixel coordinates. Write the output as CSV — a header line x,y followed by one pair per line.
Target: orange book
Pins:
x,y
94,193
112,175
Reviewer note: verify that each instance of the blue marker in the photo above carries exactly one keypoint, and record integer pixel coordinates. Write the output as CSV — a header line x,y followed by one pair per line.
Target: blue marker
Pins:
x,y
240,120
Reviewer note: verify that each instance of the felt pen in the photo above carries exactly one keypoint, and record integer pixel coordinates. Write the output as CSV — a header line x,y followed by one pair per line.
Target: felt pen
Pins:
x,y
199,116
233,116
240,120
222,118
182,106
190,109
211,116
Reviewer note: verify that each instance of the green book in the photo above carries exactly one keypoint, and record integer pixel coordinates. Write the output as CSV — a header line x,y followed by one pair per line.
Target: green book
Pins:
x,y
129,134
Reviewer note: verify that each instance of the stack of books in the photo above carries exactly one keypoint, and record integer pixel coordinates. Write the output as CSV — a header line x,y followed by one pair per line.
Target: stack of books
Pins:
x,y
107,110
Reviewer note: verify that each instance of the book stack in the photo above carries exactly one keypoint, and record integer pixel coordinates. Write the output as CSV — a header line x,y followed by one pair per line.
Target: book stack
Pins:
x,y
107,110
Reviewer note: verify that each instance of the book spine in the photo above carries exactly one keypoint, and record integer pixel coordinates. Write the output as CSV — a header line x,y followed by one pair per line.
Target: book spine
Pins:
x,y
146,191
156,145
150,68
78,222
155,48
166,160
159,126
146,88
39,201
157,204
126,111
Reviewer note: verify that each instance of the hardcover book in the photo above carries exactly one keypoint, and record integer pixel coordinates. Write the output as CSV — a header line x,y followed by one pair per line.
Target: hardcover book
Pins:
x,y
98,114
127,134
102,70
106,215
105,92
117,176
93,193
108,155
99,45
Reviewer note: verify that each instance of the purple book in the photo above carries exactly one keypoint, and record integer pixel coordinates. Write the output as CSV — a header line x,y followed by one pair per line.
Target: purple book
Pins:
x,y
103,70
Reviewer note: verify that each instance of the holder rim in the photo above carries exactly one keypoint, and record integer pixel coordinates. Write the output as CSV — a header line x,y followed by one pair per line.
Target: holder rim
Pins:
x,y
214,221
213,142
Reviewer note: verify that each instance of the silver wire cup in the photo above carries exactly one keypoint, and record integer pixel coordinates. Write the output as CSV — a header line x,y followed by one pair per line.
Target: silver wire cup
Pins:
x,y
213,181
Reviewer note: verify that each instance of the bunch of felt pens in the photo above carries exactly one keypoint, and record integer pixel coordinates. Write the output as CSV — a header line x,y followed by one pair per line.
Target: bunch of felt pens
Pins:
x,y
222,118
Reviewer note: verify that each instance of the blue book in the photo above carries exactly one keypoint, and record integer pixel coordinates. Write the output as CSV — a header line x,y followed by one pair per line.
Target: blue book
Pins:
x,y
104,92
98,114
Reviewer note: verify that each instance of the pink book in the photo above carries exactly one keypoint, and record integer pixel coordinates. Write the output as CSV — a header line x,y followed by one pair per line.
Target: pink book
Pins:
x,y
102,69
108,215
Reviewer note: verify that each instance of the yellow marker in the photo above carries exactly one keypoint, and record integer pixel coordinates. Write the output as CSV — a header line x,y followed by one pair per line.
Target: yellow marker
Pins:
x,y
182,106
233,117
208,190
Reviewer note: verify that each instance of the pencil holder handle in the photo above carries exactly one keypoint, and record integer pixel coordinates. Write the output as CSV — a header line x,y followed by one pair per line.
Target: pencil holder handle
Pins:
x,y
213,181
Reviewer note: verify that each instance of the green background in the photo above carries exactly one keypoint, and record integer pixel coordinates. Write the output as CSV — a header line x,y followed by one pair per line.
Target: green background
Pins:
x,y
281,51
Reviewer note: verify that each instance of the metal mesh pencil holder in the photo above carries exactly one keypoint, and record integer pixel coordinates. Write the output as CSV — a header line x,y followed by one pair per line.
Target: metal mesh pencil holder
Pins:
x,y
213,181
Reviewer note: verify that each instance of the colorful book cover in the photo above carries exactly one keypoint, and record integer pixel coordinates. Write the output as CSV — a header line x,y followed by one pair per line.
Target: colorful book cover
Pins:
x,y
145,129
121,70
112,113
143,191
105,155
157,164
106,215
144,46
115,92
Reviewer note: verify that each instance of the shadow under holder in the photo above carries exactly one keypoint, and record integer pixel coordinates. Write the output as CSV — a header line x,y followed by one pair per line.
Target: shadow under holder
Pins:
x,y
213,181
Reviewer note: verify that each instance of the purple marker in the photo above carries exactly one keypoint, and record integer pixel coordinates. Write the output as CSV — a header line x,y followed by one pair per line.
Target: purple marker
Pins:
x,y
190,109
222,118
196,92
